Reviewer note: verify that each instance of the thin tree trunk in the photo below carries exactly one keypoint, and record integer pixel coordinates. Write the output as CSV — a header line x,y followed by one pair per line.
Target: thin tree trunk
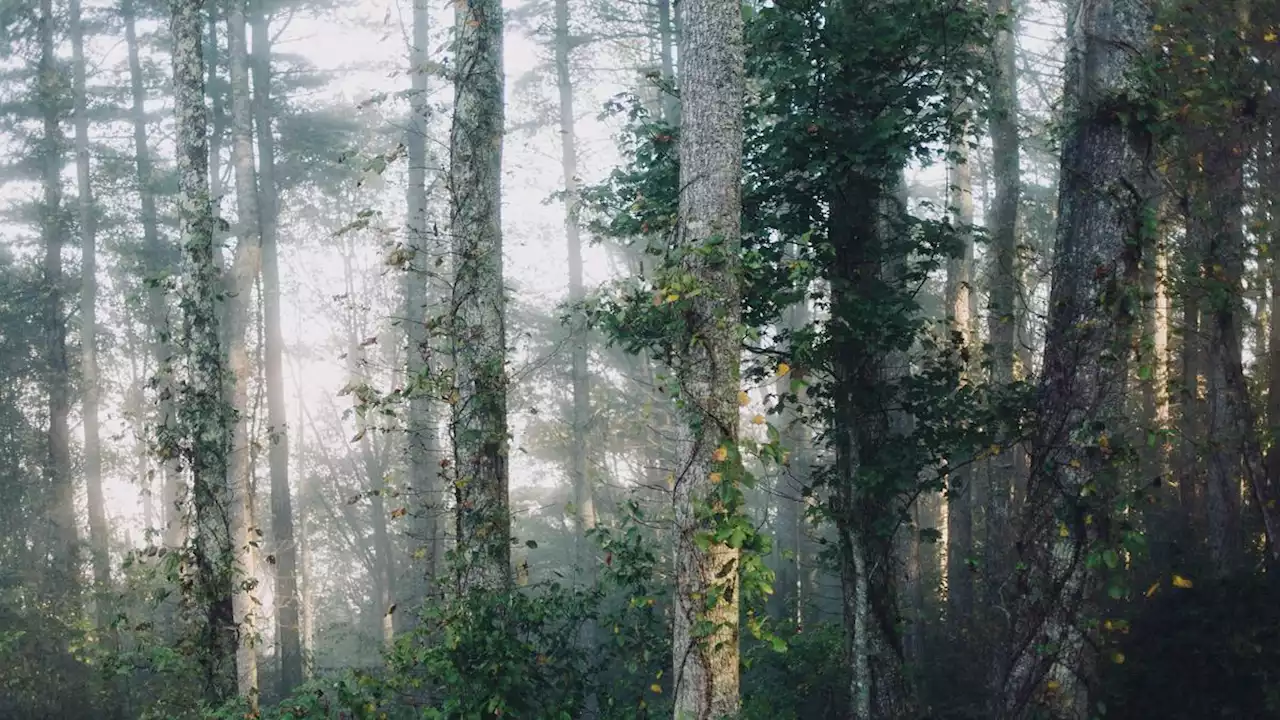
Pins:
x,y
206,417
423,439
286,553
1002,315
712,82
58,381
959,304
156,263
246,266
584,501
478,311
98,532
666,44
1155,375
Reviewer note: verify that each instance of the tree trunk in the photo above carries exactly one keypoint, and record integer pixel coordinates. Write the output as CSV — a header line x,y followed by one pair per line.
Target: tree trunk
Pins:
x,y
1155,373
65,541
1002,317
712,81
205,415
666,44
246,266
157,263
478,312
1105,198
424,444
959,292
286,553
793,479
584,501
98,533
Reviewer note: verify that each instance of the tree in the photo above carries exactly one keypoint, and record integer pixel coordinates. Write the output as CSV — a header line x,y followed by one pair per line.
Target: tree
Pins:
x,y
1105,200
64,539
204,415
708,237
286,553
477,310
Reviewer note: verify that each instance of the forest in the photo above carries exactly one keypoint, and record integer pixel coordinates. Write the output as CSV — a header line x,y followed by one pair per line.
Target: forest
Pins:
x,y
624,359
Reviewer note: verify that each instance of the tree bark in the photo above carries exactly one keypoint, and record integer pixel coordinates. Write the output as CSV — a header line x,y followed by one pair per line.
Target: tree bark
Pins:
x,y
98,532
1105,198
246,266
205,416
712,82
478,308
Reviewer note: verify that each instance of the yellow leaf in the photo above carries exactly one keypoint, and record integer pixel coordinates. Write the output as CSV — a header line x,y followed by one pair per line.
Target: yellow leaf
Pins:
x,y
757,420
1063,531
714,478
1104,442
743,398
1053,685
783,369
656,688
1270,36
672,297
1181,582
1117,658
994,450
1152,590
721,454
1075,463
1157,28
1088,519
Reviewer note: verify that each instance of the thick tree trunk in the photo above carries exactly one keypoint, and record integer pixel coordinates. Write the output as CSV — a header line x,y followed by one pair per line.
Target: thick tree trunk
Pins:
x,y
98,533
286,552
712,82
205,415
65,540
1104,201
959,299
246,266
584,500
478,312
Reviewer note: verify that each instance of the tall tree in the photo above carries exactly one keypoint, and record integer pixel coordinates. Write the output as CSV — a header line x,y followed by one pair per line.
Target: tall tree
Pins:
x,y
245,268
205,416
1104,198
155,264
959,301
89,325
583,498
712,84
424,444
64,538
286,553
1004,282
478,307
